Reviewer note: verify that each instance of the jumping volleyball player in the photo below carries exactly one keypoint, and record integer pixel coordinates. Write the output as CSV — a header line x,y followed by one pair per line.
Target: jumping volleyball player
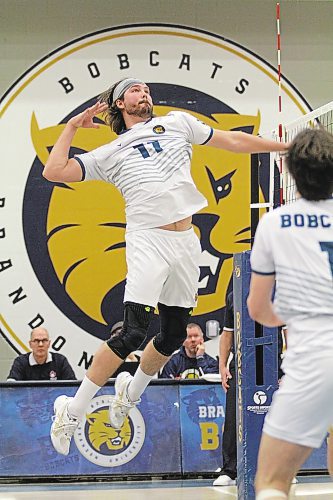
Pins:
x,y
294,246
150,164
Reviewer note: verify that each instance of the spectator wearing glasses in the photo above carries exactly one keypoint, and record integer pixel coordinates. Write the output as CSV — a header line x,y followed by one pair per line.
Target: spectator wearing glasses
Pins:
x,y
40,364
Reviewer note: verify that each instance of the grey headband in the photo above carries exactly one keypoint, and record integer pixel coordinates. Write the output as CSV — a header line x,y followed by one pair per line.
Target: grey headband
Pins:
x,y
123,86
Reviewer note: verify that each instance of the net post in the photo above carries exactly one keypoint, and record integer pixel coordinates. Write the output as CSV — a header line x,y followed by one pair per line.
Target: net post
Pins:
x,y
256,351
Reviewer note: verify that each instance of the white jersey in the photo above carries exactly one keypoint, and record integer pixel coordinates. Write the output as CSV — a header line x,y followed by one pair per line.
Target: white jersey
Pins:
x,y
150,165
295,242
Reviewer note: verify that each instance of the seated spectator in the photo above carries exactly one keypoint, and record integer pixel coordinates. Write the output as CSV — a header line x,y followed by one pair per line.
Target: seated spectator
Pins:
x,y
190,361
40,364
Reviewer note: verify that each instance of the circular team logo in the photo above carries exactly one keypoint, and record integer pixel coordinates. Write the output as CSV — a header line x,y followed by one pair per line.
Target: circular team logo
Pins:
x,y
190,374
103,445
260,397
159,129
62,256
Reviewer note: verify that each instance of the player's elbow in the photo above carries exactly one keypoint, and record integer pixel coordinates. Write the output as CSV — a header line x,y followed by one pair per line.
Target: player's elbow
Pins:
x,y
254,308
53,173
49,173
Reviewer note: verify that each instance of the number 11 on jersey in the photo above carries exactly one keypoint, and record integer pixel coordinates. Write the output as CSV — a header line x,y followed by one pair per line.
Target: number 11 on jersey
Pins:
x,y
143,150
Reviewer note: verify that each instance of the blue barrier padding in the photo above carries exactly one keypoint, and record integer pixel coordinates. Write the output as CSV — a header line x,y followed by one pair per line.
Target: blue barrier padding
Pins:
x,y
201,427
177,429
148,444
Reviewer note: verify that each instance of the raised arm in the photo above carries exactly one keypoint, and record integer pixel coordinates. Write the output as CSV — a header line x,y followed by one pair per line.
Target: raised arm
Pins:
x,y
240,142
59,168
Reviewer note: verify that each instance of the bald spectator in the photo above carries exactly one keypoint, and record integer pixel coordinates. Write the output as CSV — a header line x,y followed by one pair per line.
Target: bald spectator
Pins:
x,y
40,364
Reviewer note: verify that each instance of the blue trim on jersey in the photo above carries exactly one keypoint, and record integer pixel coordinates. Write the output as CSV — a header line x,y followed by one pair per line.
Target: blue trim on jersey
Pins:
x,y
263,274
209,137
83,168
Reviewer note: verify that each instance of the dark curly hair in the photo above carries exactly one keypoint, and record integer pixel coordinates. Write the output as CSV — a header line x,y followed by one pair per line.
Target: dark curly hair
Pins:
x,y
113,116
310,162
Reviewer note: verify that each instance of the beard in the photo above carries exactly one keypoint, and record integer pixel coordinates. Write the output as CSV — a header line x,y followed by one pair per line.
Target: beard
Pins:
x,y
144,110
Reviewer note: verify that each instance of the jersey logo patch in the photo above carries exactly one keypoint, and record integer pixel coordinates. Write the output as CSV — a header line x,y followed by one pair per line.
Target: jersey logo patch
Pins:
x,y
159,129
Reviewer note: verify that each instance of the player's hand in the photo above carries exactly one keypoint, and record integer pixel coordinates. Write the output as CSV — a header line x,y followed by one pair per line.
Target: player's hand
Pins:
x,y
225,377
200,350
85,119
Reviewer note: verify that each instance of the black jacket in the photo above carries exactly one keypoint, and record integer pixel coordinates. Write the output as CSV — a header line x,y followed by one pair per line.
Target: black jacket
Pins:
x,y
57,369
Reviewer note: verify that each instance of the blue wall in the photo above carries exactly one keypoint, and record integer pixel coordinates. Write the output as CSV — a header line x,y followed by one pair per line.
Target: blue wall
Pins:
x,y
176,429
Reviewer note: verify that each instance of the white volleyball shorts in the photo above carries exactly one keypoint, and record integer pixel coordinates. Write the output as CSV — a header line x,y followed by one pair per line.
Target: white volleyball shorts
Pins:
x,y
162,266
302,408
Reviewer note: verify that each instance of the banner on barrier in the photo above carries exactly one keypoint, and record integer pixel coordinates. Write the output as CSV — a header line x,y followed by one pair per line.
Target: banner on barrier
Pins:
x,y
175,429
201,427
149,441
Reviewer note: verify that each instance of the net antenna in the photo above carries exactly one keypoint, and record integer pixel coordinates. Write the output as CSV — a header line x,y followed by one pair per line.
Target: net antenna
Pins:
x,y
278,50
276,161
321,117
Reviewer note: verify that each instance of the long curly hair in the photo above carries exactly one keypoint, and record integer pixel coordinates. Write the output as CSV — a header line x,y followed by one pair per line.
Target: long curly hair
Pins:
x,y
310,162
113,115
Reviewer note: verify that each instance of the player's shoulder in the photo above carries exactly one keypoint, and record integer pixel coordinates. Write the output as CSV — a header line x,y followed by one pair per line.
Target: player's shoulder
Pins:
x,y
178,115
269,217
300,206
105,150
277,217
282,210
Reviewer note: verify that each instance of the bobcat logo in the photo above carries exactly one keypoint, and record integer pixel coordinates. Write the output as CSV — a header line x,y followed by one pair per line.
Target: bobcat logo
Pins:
x,y
202,397
159,129
63,247
103,445
33,409
101,433
85,222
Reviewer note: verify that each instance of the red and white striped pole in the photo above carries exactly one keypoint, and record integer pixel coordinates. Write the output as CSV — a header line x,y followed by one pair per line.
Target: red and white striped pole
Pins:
x,y
278,32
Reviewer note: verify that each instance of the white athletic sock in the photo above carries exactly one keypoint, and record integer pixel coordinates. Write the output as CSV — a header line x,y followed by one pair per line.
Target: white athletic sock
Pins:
x,y
271,493
138,384
84,394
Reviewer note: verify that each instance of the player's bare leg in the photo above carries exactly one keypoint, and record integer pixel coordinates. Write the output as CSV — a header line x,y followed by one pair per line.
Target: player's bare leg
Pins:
x,y
152,360
69,411
278,463
128,389
104,364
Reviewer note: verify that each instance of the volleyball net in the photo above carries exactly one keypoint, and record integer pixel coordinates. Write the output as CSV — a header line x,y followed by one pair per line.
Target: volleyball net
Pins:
x,y
321,117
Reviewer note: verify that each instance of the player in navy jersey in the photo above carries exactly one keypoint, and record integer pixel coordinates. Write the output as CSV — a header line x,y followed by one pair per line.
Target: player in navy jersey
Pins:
x,y
149,163
294,246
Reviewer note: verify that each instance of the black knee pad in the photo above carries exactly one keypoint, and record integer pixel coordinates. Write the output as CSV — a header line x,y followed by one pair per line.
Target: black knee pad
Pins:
x,y
137,318
174,321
